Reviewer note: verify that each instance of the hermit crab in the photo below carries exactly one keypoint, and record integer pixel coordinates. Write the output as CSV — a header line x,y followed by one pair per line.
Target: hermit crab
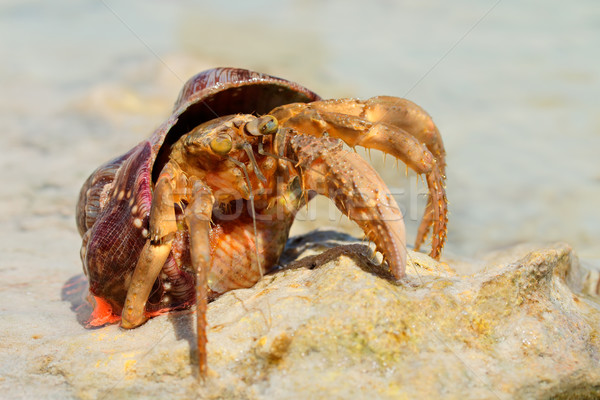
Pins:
x,y
205,205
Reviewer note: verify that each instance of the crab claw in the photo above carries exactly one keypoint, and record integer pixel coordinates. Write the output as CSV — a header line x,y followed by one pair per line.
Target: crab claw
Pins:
x,y
393,125
357,191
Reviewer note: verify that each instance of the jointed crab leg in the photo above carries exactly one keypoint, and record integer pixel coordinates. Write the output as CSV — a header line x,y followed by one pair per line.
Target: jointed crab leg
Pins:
x,y
407,133
401,113
412,118
148,267
357,191
155,252
163,226
197,217
428,219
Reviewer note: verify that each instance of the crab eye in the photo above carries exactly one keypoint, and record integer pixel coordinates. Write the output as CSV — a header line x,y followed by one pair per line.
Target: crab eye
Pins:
x,y
265,125
221,145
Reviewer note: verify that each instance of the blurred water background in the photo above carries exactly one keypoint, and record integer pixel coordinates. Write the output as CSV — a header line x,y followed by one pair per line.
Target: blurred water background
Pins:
x,y
513,86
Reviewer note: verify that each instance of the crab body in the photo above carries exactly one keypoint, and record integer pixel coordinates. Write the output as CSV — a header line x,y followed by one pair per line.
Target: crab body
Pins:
x,y
206,204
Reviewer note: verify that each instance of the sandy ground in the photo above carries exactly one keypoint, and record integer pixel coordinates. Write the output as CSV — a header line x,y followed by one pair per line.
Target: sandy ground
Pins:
x,y
513,87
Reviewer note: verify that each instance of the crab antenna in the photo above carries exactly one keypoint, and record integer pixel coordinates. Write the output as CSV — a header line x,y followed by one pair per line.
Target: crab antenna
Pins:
x,y
279,141
278,145
248,149
263,152
252,212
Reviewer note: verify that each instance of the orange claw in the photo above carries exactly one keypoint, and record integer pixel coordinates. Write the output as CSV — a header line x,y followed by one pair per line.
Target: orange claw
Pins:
x,y
395,126
357,191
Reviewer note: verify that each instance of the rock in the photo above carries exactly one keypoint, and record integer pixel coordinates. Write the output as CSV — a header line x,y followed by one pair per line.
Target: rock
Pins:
x,y
334,325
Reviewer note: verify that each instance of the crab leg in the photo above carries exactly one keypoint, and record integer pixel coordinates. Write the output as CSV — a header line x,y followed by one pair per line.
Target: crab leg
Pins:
x,y
155,252
407,134
197,217
356,189
401,113
413,119
407,116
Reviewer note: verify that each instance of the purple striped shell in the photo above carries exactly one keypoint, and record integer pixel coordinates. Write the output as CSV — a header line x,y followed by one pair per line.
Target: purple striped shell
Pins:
x,y
114,203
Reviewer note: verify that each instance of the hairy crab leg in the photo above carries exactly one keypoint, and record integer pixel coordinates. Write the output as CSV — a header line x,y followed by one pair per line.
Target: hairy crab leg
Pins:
x,y
155,252
401,113
411,118
355,130
356,189
197,217
426,223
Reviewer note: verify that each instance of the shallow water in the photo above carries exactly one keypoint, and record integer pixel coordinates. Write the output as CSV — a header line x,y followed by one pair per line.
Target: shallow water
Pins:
x,y
513,87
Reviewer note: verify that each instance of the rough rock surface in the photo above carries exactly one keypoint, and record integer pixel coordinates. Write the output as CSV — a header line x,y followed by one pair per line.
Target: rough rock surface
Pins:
x,y
333,325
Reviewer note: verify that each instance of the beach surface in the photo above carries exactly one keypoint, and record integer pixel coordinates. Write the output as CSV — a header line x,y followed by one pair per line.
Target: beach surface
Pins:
x,y
513,88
